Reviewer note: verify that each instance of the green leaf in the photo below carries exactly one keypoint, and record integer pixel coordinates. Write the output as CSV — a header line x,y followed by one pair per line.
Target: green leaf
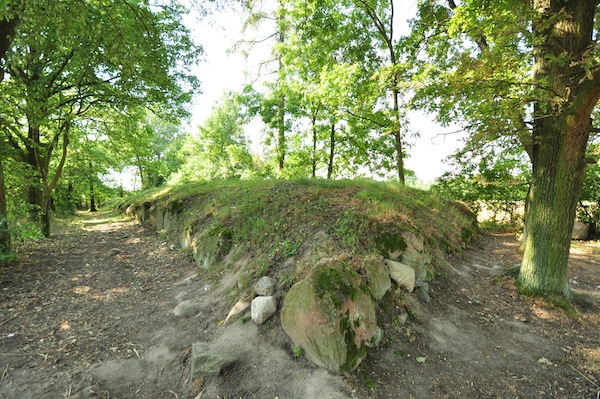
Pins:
x,y
421,359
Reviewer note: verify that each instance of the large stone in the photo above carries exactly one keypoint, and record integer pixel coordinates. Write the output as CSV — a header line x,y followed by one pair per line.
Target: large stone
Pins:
x,y
206,362
402,274
265,286
581,231
413,253
210,246
186,309
262,308
417,257
169,220
331,316
423,294
378,276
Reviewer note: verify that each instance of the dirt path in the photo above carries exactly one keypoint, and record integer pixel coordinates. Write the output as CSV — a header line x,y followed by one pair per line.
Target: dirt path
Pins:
x,y
479,339
89,315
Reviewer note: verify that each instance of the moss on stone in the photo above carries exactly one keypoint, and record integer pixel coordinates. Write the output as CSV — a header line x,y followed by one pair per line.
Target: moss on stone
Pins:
x,y
175,207
354,354
338,282
388,243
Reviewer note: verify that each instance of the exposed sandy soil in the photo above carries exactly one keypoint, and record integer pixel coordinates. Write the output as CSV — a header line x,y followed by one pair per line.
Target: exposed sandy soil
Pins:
x,y
88,314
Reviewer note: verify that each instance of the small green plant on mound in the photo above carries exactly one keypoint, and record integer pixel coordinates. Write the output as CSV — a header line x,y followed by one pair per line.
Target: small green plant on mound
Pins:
x,y
297,351
369,383
6,257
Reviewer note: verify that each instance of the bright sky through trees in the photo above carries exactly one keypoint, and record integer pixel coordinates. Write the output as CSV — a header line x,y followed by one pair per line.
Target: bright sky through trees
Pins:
x,y
224,70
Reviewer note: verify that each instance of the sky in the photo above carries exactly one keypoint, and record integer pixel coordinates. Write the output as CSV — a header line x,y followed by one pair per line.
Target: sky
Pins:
x,y
223,70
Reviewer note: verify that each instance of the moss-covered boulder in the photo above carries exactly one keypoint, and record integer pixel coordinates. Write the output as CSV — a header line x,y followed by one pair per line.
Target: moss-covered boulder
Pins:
x,y
330,315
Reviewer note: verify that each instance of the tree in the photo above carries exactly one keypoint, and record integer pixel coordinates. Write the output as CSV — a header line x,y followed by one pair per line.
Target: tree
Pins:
x,y
9,19
527,71
336,84
381,13
220,150
330,66
275,102
62,65
562,34
146,141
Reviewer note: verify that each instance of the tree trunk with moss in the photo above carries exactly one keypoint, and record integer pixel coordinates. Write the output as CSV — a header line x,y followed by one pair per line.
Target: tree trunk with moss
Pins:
x,y
562,39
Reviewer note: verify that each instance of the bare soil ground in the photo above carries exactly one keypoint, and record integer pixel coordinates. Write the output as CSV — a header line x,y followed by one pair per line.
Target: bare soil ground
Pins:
x,y
88,314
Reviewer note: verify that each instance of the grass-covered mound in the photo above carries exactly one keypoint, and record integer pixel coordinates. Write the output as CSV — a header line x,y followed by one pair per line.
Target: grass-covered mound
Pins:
x,y
275,218
340,243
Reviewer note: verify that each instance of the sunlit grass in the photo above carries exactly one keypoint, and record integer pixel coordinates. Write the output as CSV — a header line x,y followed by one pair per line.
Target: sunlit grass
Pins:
x,y
272,215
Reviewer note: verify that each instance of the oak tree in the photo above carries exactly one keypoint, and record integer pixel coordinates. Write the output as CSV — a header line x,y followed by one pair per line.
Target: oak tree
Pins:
x,y
527,71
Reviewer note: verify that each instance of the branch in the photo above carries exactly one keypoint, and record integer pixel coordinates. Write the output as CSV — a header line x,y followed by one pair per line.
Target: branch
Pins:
x,y
252,43
451,133
11,130
479,40
65,128
60,69
367,119
371,12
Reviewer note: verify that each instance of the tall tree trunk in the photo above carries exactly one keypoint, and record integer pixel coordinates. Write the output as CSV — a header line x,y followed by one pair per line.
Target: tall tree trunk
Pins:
x,y
281,150
70,202
92,194
5,239
281,145
33,180
560,134
7,31
331,151
314,143
45,219
558,173
386,31
39,186
398,136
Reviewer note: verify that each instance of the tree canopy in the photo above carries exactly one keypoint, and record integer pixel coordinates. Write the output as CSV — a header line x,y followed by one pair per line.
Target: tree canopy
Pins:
x,y
68,61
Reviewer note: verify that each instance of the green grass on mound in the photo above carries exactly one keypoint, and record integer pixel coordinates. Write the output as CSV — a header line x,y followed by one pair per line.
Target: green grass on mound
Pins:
x,y
276,217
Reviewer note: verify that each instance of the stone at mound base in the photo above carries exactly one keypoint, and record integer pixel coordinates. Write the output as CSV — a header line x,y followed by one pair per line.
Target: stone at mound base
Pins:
x,y
403,275
331,317
236,311
581,231
378,275
265,286
186,309
207,362
262,308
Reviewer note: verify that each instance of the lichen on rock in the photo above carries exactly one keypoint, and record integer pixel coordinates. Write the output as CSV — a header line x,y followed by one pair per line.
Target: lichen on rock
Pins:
x,y
331,316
